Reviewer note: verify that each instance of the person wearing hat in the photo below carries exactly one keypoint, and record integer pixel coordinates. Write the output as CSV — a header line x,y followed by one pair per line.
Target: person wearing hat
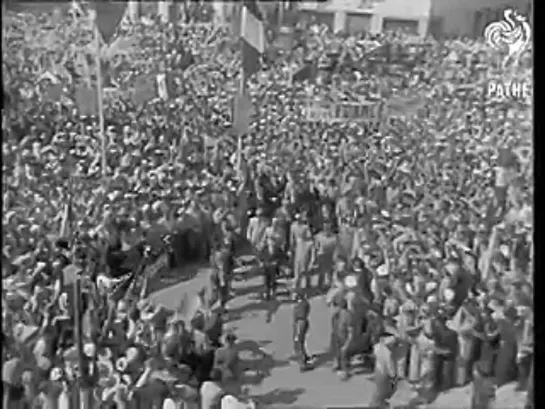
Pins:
x,y
505,369
530,391
227,360
301,312
257,227
304,258
408,329
271,258
343,333
326,248
446,350
483,390
221,276
525,345
385,374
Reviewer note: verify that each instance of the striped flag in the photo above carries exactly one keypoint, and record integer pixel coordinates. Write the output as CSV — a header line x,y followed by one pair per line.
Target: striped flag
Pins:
x,y
252,34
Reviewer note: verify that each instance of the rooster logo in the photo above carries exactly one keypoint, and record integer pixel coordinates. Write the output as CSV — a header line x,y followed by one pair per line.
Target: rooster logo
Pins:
x,y
513,33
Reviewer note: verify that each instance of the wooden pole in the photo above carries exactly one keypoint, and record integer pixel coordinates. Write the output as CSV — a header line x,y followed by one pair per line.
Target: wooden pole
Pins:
x,y
281,7
241,90
100,101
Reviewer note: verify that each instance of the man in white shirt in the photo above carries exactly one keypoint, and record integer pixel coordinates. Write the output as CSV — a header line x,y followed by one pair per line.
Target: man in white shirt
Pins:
x,y
385,371
212,392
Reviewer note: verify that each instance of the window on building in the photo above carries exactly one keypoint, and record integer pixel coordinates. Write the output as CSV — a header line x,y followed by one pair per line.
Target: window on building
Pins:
x,y
318,17
478,24
358,23
408,26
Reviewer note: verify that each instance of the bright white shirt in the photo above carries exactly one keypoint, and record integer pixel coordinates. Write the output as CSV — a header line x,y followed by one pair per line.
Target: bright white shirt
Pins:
x,y
211,395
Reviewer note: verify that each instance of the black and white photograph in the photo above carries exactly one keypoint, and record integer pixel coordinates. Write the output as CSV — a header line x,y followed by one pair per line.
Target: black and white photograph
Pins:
x,y
268,204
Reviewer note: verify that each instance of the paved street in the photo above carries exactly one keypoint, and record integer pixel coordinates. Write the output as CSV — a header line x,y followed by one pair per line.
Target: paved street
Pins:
x,y
281,383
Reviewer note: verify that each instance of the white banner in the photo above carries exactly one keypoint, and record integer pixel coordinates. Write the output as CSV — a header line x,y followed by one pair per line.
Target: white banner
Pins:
x,y
343,111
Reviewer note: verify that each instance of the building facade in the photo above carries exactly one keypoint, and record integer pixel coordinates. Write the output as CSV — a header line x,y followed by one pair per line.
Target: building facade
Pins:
x,y
440,18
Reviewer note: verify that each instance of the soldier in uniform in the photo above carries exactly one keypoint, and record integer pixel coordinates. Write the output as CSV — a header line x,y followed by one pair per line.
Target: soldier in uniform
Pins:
x,y
301,313
271,258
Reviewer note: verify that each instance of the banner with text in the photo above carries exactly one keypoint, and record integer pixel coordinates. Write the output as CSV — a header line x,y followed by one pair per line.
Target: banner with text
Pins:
x,y
329,111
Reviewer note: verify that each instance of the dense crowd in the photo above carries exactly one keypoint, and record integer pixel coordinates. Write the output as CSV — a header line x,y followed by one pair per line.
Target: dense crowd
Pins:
x,y
417,224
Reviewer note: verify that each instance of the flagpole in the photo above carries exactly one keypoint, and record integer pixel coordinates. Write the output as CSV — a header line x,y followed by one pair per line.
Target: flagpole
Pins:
x,y
100,100
241,90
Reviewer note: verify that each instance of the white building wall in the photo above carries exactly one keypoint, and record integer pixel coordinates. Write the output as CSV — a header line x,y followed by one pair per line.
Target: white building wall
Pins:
x,y
455,17
459,16
417,10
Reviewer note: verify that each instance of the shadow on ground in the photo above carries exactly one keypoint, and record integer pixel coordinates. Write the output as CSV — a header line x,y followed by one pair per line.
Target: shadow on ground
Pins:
x,y
255,306
175,276
255,362
279,396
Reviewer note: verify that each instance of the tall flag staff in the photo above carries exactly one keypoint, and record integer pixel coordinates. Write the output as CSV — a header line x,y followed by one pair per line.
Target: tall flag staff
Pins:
x,y
252,44
106,17
100,95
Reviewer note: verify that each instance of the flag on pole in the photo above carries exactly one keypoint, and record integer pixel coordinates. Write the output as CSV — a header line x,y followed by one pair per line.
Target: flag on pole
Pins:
x,y
86,100
308,72
165,86
67,216
252,34
243,112
144,90
108,16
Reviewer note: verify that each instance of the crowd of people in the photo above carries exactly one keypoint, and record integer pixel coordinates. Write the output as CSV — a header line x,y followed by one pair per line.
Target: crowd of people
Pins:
x,y
418,224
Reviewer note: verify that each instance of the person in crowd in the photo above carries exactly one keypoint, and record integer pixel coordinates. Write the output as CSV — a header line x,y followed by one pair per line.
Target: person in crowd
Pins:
x,y
301,313
385,371
227,358
257,228
327,245
271,258
304,259
435,200
483,391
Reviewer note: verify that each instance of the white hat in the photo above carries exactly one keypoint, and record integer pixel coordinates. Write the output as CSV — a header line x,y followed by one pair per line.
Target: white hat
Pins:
x,y
382,270
350,281
89,349
448,294
430,286
56,374
431,299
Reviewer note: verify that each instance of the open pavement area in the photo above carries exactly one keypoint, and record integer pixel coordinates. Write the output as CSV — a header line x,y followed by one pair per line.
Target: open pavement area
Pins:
x,y
278,382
